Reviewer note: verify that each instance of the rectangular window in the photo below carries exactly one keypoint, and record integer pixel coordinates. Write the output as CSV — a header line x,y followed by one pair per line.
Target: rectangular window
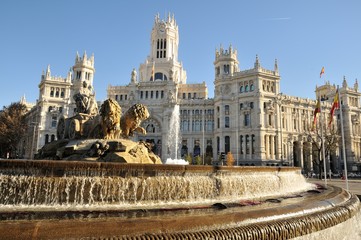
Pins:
x,y
54,121
141,94
246,119
226,122
226,109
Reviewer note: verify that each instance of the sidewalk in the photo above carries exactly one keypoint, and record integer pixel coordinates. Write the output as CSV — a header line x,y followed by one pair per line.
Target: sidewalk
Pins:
x,y
354,185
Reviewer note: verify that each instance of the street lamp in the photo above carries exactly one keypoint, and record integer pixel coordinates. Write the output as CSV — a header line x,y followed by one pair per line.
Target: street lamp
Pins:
x,y
279,101
34,124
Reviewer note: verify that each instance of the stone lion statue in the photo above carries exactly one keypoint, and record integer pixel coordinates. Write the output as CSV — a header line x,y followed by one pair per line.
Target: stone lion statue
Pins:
x,y
132,119
110,112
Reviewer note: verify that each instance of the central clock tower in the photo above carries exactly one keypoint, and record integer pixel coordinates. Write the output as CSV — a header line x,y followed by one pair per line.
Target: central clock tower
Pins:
x,y
162,64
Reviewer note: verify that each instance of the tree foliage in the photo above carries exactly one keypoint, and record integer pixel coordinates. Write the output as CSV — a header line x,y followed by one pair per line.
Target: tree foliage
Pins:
x,y
12,127
230,159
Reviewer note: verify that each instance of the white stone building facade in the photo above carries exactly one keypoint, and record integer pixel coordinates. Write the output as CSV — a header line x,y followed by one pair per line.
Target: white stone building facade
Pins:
x,y
248,115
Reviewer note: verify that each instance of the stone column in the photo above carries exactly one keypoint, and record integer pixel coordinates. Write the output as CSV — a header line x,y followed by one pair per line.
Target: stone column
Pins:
x,y
266,146
300,143
310,157
272,153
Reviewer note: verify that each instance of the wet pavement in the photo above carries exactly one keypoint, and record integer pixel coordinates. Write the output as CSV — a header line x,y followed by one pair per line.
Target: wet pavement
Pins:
x,y
354,185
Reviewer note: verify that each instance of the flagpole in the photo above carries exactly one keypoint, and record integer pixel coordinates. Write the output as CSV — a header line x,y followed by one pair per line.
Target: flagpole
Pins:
x,y
343,140
323,143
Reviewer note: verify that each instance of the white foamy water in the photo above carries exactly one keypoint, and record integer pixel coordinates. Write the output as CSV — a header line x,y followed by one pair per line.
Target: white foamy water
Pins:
x,y
176,161
130,191
174,138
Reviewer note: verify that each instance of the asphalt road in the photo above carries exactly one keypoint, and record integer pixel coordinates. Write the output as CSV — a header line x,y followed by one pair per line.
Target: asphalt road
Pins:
x,y
354,185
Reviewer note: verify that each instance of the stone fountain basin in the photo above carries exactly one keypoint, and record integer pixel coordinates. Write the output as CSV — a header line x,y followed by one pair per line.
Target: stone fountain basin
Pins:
x,y
281,215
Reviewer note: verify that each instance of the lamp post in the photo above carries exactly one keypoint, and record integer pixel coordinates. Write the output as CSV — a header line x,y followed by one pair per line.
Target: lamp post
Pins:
x,y
279,101
34,124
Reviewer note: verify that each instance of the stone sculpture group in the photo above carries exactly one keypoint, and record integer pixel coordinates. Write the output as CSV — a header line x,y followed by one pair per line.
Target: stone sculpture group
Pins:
x,y
103,136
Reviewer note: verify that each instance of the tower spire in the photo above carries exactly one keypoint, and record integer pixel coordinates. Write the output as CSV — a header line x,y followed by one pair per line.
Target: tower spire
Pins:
x,y
48,73
257,64
85,57
276,66
77,57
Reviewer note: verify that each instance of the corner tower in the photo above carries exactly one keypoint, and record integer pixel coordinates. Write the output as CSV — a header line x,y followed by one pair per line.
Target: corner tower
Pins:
x,y
162,64
226,63
82,78
83,71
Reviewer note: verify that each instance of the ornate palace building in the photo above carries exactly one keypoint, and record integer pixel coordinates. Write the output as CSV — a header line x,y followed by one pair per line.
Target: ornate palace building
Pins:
x,y
248,115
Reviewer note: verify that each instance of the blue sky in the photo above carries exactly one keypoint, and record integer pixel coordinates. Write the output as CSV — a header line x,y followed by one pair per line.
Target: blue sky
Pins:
x,y
302,35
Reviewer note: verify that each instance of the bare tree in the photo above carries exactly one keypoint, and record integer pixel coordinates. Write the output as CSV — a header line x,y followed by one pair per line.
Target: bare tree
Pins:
x,y
12,128
331,140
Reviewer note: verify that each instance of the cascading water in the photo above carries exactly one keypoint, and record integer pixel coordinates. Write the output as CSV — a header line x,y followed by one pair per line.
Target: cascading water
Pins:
x,y
174,133
90,200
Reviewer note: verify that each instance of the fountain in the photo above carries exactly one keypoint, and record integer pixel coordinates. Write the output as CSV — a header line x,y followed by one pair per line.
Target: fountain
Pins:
x,y
46,199
173,141
97,200
174,138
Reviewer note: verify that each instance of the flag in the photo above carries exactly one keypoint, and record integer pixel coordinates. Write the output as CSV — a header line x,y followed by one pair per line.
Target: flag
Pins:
x,y
317,110
322,71
153,72
334,106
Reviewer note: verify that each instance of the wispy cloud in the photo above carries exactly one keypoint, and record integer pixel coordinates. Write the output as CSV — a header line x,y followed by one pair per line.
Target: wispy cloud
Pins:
x,y
277,19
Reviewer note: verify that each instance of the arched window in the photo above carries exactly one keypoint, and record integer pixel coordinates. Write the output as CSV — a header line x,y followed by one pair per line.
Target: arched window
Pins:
x,y
150,128
251,88
247,144
52,137
246,88
57,92
241,89
52,92
46,138
158,76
